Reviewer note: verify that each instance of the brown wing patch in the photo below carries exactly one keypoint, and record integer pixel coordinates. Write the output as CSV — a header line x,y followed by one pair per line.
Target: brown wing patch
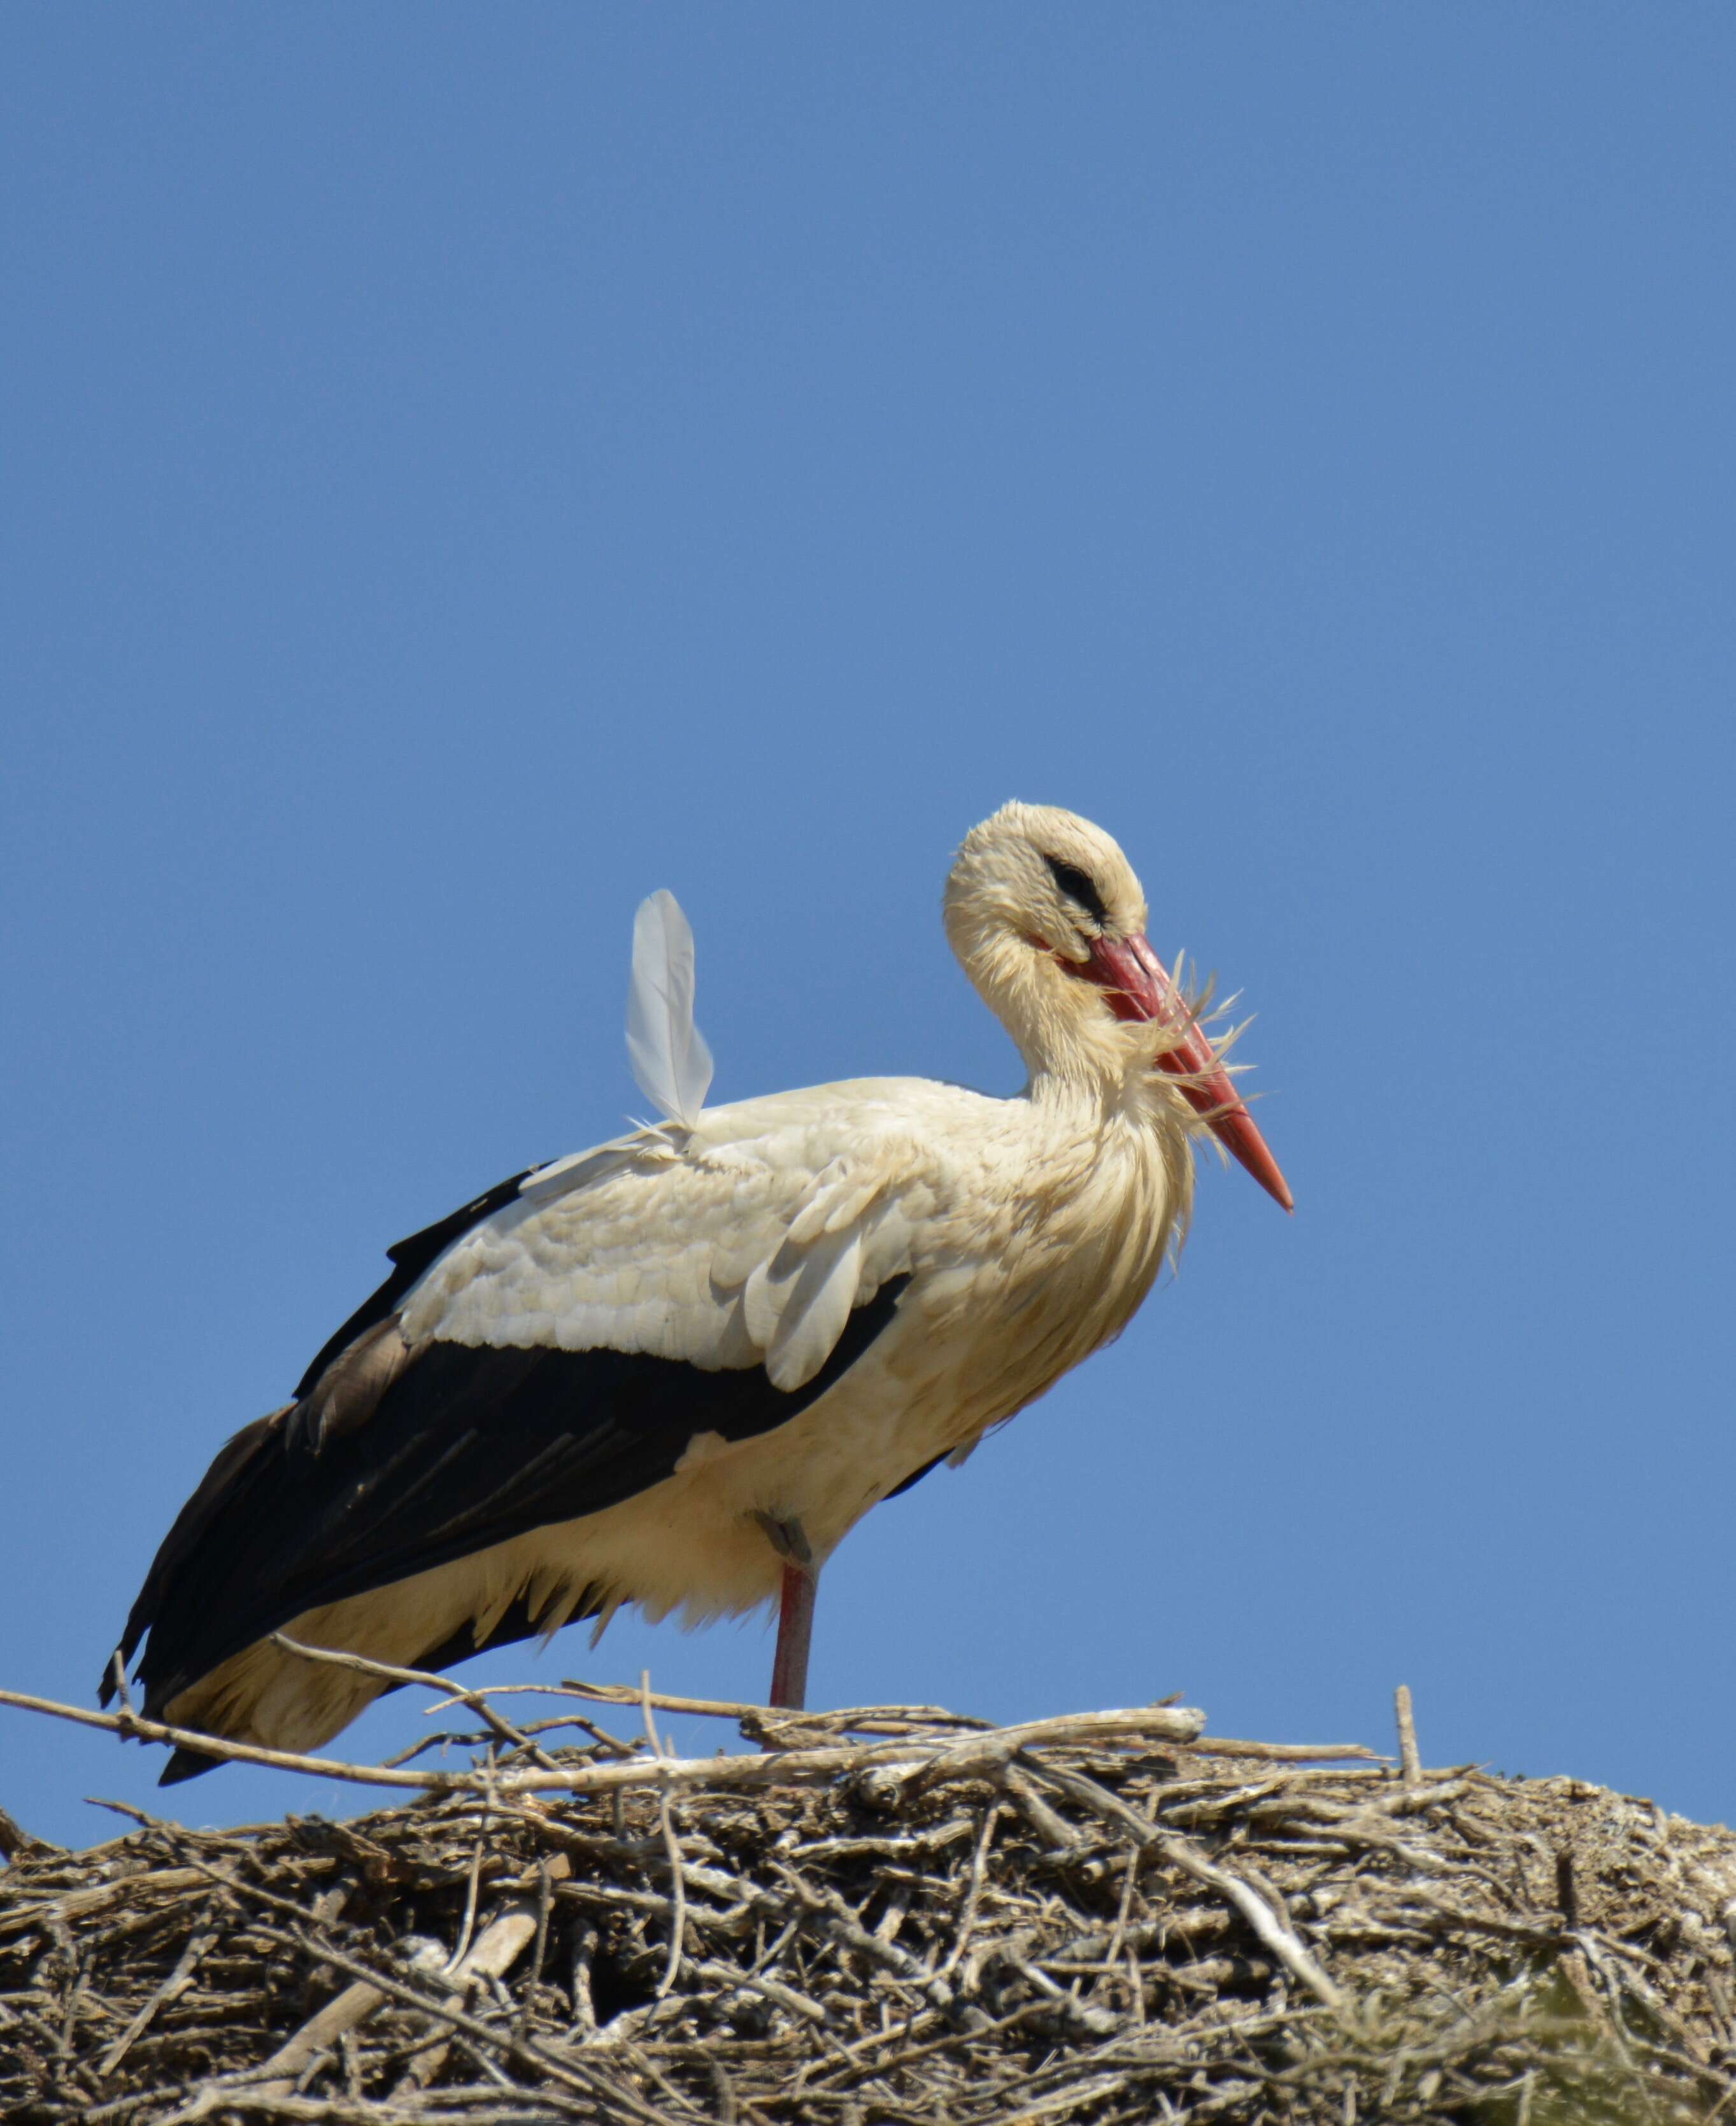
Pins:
x,y
348,1393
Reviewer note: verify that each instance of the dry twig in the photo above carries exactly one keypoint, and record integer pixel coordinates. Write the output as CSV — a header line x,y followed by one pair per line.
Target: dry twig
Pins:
x,y
893,1913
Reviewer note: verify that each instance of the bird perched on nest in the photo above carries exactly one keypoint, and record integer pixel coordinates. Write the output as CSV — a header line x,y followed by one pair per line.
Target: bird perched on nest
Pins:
x,y
676,1370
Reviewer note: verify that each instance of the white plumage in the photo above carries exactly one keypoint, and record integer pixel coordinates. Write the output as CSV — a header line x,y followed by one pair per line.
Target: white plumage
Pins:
x,y
668,1051
662,1370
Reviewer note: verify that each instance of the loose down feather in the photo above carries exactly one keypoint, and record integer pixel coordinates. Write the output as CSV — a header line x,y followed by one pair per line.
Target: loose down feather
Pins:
x,y
668,1053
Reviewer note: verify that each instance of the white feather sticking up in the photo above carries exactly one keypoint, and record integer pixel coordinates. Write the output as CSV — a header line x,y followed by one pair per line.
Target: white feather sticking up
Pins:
x,y
668,1051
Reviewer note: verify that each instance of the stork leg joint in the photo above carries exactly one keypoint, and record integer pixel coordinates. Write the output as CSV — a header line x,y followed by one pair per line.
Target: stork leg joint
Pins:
x,y
788,1537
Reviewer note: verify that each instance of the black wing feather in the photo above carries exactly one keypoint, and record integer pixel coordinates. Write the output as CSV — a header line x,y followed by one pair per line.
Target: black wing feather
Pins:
x,y
469,1445
409,1258
917,1475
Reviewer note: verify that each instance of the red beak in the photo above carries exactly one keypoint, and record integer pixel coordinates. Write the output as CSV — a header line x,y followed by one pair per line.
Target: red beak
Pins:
x,y
1132,977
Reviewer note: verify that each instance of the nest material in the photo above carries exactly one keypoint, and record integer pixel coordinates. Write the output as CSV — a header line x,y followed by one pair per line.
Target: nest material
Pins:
x,y
933,1921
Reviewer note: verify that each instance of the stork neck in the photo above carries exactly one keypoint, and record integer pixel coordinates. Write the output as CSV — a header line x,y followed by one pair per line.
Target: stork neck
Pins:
x,y
1118,1088
1118,1159
1076,1053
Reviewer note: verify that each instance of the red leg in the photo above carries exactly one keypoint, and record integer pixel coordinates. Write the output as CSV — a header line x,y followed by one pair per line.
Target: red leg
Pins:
x,y
795,1633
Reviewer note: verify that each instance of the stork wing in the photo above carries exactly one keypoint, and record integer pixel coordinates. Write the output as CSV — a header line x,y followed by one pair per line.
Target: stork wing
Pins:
x,y
554,1355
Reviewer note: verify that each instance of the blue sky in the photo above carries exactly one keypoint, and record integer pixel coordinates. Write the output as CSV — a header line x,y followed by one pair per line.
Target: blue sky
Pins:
x,y
465,469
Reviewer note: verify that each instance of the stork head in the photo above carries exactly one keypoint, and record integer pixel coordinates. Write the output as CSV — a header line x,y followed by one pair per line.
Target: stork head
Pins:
x,y
1049,921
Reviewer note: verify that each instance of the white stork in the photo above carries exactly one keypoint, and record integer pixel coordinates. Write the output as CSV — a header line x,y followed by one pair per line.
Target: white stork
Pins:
x,y
677,1369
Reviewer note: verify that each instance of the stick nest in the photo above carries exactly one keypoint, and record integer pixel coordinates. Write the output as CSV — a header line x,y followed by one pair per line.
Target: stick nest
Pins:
x,y
1096,1921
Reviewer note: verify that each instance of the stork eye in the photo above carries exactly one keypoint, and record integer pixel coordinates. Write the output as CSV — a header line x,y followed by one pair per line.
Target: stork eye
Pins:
x,y
1079,887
